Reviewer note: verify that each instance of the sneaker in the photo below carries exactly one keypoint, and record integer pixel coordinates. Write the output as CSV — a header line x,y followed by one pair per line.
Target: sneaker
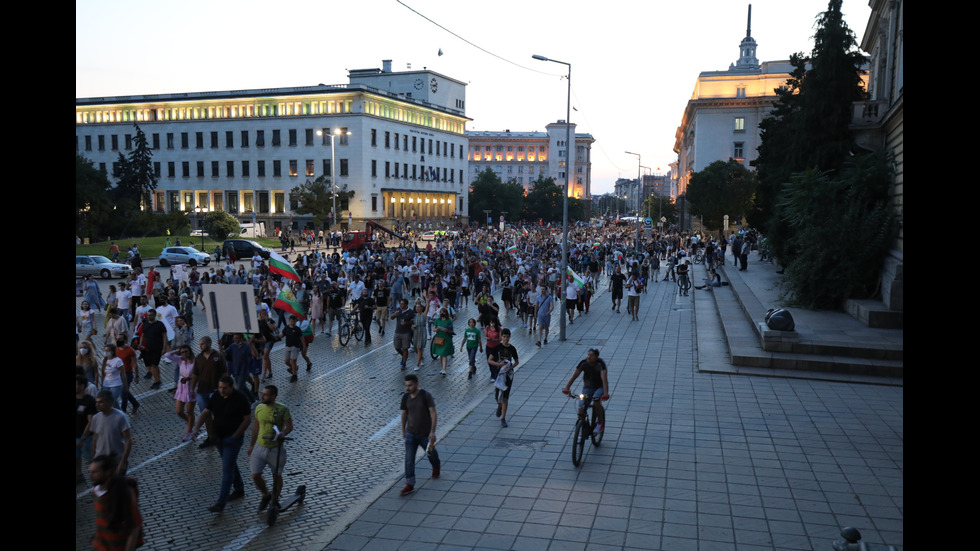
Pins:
x,y
206,444
294,378
538,343
407,490
136,408
327,333
503,423
468,375
435,472
217,508
237,494
443,373
264,504
187,437
546,341
497,413
155,385
403,367
418,367
309,366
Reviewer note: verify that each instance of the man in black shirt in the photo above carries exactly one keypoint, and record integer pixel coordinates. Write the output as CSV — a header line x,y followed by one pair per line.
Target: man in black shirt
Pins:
x,y
616,281
404,317
594,379
154,343
335,303
418,429
366,306
295,345
504,358
231,415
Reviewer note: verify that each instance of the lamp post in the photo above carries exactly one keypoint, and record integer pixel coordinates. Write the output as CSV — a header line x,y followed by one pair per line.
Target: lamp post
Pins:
x,y
200,213
639,183
564,207
333,168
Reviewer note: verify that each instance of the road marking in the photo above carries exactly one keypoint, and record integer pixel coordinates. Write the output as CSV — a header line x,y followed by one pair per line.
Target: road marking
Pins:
x,y
386,429
141,465
244,538
357,359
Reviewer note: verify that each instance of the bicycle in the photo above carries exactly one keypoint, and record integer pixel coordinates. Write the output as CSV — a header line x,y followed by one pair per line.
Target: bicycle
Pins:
x,y
699,256
586,429
683,283
350,325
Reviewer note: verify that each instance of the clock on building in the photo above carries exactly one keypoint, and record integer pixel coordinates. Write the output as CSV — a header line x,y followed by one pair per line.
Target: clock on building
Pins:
x,y
419,83
434,85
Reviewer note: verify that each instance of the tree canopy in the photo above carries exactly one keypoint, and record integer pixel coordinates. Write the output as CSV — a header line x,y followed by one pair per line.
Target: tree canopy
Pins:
x,y
721,188
219,224
316,198
488,192
544,202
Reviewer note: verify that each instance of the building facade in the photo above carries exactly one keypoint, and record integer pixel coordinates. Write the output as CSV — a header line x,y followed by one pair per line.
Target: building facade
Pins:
x,y
880,122
522,157
721,120
399,145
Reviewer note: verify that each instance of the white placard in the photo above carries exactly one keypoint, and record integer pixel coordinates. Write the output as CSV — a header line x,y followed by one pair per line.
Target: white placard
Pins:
x,y
230,308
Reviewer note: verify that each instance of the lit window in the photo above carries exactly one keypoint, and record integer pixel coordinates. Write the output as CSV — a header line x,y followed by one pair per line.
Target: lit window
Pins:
x,y
740,124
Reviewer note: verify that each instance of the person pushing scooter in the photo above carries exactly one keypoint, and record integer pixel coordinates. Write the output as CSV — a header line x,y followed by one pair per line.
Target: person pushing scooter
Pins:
x,y
273,423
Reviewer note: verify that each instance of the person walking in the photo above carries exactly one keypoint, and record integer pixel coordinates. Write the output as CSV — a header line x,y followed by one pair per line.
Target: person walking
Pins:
x,y
118,522
273,423
504,358
419,420
472,341
111,434
230,416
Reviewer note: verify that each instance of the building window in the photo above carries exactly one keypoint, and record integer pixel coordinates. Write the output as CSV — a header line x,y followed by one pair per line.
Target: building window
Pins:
x,y
739,151
396,169
740,91
156,141
396,140
229,139
292,137
387,169
171,169
343,136
309,167
214,169
374,168
260,138
214,140
244,138
185,169
343,167
115,142
261,168
413,148
245,173
199,140
156,169
326,168
740,124
102,143
184,141
276,138
388,139
293,167
170,140
200,169
374,137
263,202
325,135
276,168
309,141
374,203
405,142
279,201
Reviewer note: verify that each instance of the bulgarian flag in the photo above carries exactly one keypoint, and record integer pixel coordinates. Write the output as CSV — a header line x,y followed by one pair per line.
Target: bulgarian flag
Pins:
x,y
512,249
286,301
525,231
489,249
279,265
575,277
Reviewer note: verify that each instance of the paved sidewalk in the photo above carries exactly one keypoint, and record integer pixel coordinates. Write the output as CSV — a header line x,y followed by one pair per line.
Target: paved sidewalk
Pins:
x,y
690,460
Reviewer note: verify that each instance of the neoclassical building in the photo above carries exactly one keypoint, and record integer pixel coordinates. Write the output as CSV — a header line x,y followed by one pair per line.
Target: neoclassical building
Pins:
x,y
524,156
721,120
399,137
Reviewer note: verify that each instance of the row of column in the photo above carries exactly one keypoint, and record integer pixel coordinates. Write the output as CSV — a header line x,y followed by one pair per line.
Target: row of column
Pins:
x,y
410,205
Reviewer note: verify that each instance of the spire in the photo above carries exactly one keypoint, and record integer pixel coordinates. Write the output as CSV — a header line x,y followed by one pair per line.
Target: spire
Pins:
x,y
746,58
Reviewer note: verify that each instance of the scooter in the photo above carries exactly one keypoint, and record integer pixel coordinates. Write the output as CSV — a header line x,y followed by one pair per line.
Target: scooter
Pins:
x,y
276,507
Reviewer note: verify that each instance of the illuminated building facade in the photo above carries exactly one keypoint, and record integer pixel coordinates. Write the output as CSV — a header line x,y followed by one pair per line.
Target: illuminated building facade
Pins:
x,y
522,157
399,136
721,121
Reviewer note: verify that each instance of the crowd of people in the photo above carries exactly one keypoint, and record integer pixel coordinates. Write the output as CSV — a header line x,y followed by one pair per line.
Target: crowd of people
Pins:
x,y
421,288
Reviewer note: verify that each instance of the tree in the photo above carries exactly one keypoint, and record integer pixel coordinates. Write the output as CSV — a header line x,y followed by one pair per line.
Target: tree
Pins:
x,y
93,206
609,205
656,206
219,225
544,201
808,129
134,174
316,198
721,188
488,192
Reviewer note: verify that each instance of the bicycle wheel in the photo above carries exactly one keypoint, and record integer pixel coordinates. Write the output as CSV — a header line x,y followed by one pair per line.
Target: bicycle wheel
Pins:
x,y
684,282
432,349
344,333
598,424
578,442
358,330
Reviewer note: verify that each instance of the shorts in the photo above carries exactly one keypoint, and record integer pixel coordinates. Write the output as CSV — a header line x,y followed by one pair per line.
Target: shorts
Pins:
x,y
544,321
632,302
151,357
590,395
402,341
570,303
292,353
263,456
617,294
334,313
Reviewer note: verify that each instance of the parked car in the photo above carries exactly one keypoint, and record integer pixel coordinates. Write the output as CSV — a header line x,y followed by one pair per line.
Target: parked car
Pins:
x,y
428,236
86,265
236,249
183,255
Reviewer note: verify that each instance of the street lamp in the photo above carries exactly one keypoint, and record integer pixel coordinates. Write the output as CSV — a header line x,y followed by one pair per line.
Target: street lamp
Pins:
x,y
564,207
639,184
333,166
200,211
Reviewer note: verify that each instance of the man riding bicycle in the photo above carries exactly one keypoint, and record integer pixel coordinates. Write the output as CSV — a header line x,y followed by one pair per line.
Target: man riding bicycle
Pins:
x,y
594,379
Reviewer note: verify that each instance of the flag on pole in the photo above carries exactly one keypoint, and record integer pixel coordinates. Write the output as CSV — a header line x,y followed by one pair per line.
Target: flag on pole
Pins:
x,y
286,301
512,249
575,277
279,265
525,231
489,249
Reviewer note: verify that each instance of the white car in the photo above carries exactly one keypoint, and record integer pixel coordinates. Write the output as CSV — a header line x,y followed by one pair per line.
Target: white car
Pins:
x,y
428,236
183,255
86,265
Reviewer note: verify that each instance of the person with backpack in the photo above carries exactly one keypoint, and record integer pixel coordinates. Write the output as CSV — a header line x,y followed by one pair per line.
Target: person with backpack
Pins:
x,y
419,420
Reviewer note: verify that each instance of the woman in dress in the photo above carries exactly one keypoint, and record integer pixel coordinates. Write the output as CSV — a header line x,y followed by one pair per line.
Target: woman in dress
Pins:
x,y
86,360
184,397
452,291
316,309
86,321
442,340
420,332
110,302
92,293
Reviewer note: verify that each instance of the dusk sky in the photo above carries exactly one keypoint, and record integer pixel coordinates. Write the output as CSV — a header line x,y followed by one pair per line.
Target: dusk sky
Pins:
x,y
634,64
